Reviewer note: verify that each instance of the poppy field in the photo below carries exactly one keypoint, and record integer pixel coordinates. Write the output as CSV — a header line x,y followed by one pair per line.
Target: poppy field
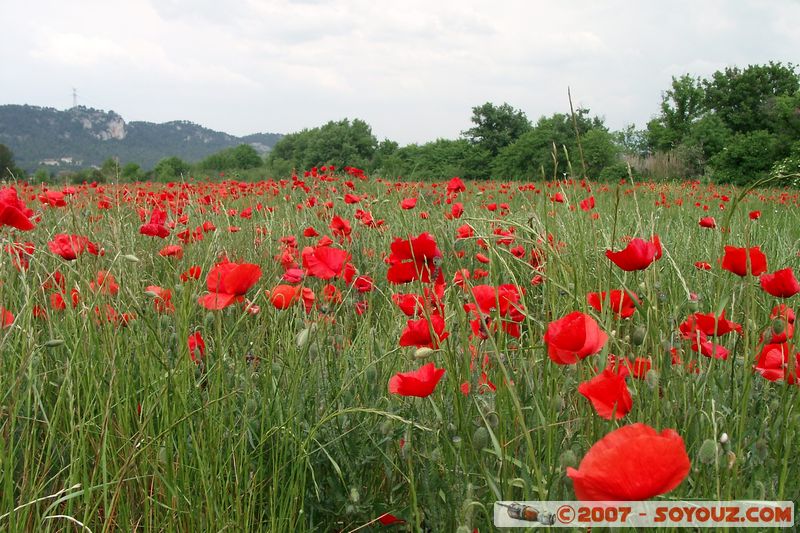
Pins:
x,y
339,352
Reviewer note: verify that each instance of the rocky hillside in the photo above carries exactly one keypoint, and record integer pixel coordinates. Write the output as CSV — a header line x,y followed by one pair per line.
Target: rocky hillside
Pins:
x,y
81,137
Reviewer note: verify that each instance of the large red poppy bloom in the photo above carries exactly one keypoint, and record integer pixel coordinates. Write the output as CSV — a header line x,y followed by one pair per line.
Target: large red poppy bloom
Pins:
x,y
735,260
420,383
228,283
156,227
13,211
608,393
324,262
774,361
414,258
573,337
780,284
638,255
632,463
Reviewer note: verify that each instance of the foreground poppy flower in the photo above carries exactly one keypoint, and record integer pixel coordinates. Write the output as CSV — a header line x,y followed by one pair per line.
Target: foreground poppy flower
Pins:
x,y
632,463
774,363
780,284
13,211
228,283
638,255
735,260
324,262
415,258
162,298
156,227
573,337
419,383
283,296
608,393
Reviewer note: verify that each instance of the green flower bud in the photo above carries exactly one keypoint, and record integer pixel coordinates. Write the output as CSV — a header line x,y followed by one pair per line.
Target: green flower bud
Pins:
x,y
708,452
638,335
568,458
480,438
53,343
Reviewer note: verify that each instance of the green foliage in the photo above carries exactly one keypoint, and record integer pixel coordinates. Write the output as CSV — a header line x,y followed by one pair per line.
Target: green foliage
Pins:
x,y
632,141
443,158
746,158
550,148
171,168
132,172
681,105
787,170
496,127
241,157
6,162
341,143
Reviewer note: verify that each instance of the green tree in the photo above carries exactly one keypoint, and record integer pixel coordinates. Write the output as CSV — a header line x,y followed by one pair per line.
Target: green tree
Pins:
x,y
742,97
6,162
496,127
131,171
746,158
171,168
681,105
339,143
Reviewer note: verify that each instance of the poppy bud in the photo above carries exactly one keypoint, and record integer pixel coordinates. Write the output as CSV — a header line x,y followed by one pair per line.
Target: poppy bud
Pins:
x,y
480,438
423,352
725,441
386,427
708,452
638,335
652,378
53,343
778,326
130,257
693,306
492,419
568,459
456,441
302,338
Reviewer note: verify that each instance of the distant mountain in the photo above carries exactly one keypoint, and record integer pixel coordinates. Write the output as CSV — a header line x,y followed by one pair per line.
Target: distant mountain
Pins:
x,y
81,137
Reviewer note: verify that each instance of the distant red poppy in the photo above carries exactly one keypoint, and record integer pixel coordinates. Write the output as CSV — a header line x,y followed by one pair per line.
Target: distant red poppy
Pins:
x,y
780,284
6,318
587,204
620,300
631,463
193,272
69,247
637,255
736,259
172,250
104,283
573,337
418,332
197,346
708,222
408,203
156,227
162,298
420,383
755,215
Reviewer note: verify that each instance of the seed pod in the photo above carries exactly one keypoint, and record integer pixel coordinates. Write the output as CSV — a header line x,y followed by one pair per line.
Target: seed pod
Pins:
x,y
568,458
423,352
638,335
492,419
480,438
130,257
708,452
652,378
53,343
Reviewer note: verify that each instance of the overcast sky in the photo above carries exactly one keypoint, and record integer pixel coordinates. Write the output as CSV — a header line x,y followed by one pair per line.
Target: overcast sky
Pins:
x,y
412,69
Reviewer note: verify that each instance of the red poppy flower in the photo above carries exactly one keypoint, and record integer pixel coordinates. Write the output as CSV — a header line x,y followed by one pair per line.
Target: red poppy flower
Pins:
x,y
587,204
69,247
324,262
104,283
419,383
621,302
283,296
418,332
632,463
162,298
773,363
608,393
573,337
735,260
708,324
408,203
172,250
13,211
638,255
455,185
197,346
414,258
156,228
780,284
701,265
6,318
193,272
754,215
228,283
708,222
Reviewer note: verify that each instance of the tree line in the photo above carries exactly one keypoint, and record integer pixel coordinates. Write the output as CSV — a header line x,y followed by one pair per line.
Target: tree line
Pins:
x,y
737,126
